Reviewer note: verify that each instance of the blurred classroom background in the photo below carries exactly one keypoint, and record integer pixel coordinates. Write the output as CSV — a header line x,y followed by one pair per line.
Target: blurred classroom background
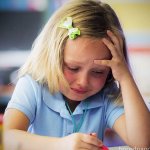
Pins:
x,y
21,22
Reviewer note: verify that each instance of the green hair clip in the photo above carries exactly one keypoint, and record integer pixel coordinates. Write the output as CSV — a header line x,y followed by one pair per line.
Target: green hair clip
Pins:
x,y
67,24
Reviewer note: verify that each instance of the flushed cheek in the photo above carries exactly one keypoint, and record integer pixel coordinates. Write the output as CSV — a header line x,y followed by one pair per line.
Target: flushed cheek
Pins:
x,y
94,83
98,84
69,76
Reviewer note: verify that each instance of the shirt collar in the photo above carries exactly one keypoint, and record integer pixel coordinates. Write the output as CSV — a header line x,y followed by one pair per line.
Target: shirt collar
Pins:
x,y
56,102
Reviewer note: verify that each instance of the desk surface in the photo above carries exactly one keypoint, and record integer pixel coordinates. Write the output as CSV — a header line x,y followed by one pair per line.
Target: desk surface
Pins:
x,y
120,148
111,148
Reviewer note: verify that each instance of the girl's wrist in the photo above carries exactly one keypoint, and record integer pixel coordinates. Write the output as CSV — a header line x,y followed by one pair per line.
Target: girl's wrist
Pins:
x,y
125,78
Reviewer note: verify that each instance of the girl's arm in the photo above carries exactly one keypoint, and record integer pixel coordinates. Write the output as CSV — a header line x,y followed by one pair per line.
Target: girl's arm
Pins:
x,y
134,125
16,137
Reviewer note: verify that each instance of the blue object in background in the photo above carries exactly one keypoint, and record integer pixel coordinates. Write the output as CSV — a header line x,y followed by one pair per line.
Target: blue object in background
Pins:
x,y
13,5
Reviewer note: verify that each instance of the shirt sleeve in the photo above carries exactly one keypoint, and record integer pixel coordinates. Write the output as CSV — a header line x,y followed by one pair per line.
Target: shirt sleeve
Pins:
x,y
113,112
24,97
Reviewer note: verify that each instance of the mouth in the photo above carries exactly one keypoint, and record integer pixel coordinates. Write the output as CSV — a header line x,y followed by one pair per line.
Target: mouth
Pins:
x,y
79,91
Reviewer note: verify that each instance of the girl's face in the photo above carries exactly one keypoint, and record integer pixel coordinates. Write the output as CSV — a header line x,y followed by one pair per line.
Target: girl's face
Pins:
x,y
84,77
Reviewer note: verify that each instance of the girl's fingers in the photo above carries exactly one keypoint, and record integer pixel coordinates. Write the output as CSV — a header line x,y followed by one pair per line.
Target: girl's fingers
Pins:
x,y
87,146
111,47
106,63
117,40
120,38
92,140
103,147
93,134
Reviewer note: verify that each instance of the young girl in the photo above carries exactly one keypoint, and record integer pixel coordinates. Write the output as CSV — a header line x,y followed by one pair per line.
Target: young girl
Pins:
x,y
76,83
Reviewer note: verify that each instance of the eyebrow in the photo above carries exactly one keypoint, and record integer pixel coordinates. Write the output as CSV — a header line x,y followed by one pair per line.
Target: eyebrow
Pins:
x,y
80,63
73,62
96,67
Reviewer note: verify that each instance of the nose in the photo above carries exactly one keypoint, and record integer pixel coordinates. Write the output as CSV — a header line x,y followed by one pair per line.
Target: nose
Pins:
x,y
82,80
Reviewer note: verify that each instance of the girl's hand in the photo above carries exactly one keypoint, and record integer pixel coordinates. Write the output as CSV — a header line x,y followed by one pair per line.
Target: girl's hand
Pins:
x,y
103,147
80,141
118,63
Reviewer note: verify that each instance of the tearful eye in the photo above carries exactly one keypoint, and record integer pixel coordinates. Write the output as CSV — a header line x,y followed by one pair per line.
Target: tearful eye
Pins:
x,y
97,73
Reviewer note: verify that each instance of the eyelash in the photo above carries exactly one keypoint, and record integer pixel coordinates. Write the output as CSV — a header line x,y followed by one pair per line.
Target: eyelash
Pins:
x,y
76,69
98,72
73,69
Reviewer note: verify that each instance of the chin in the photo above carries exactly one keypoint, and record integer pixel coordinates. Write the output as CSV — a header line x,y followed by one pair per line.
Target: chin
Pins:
x,y
77,97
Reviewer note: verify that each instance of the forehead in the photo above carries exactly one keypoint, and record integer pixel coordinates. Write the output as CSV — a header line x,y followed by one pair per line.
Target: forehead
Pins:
x,y
85,50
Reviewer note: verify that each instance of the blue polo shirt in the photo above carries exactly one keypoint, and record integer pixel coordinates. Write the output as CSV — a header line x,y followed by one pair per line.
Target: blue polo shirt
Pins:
x,y
49,116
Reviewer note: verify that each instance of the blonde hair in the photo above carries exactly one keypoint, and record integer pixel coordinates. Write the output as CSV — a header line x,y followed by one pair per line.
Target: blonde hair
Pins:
x,y
93,18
